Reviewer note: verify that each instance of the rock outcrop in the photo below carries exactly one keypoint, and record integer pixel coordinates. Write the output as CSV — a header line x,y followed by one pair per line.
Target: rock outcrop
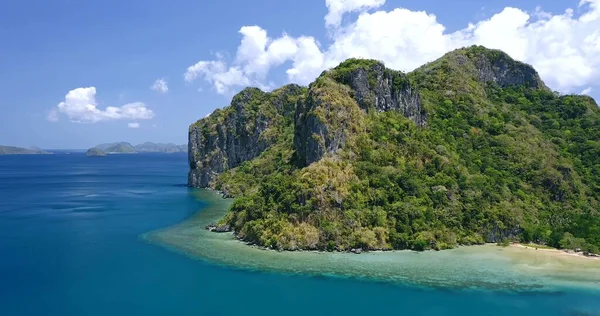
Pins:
x,y
386,90
238,133
324,121
498,67
477,64
332,111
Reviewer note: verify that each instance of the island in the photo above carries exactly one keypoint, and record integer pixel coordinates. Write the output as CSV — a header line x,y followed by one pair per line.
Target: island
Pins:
x,y
95,152
12,150
168,148
148,147
468,149
117,148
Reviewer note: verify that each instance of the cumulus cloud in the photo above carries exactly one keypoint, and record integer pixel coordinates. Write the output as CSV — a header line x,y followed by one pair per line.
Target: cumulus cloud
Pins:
x,y
133,125
587,90
80,106
160,85
337,8
218,74
256,55
564,48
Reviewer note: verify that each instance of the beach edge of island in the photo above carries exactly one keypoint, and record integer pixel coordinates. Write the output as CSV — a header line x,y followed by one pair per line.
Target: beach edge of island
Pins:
x,y
190,238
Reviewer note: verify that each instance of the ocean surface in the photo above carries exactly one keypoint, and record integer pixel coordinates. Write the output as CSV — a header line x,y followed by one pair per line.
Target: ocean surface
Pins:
x,y
72,243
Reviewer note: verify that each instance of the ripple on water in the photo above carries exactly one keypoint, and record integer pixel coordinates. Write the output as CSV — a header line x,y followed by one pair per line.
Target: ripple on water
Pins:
x,y
475,267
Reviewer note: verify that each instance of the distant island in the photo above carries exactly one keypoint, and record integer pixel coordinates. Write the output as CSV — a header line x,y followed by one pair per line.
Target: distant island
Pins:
x,y
116,148
160,148
95,152
148,147
468,149
11,150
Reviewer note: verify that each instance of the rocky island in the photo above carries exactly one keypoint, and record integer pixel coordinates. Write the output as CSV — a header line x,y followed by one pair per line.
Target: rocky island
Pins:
x,y
468,149
95,152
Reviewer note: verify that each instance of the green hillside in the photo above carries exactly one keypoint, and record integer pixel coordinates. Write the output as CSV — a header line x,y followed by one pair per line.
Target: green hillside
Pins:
x,y
470,148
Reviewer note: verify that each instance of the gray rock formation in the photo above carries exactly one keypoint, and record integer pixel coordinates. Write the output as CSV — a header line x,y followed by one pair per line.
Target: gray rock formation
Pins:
x,y
237,133
389,91
495,234
323,127
498,67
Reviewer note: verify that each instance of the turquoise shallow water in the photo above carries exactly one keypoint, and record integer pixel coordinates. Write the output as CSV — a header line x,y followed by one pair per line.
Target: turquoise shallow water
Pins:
x,y
70,244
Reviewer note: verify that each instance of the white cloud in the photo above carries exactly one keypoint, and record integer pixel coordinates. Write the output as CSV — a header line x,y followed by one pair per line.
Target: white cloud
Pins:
x,y
160,85
217,73
80,106
564,48
255,57
53,115
133,125
587,91
337,9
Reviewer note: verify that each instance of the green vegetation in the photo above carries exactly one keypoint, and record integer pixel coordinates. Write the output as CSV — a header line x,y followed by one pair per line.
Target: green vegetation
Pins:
x,y
504,243
11,150
494,162
121,148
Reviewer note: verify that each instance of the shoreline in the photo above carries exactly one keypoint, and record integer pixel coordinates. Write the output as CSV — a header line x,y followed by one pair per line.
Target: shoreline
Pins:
x,y
555,251
484,266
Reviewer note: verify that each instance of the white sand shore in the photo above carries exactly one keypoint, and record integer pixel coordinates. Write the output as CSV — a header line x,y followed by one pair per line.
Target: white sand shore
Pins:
x,y
555,252
486,266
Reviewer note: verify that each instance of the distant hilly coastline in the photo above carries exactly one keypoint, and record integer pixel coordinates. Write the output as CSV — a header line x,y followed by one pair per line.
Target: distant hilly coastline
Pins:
x,y
148,147
12,150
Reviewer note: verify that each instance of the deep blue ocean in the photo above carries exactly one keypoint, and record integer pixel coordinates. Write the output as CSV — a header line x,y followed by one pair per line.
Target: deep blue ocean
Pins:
x,y
70,244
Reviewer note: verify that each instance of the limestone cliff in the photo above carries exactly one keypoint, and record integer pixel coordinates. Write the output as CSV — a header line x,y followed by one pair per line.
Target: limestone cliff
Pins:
x,y
331,113
238,133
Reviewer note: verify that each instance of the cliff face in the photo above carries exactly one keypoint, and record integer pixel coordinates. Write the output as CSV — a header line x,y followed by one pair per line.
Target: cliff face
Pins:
x,y
237,133
496,66
474,68
340,98
383,89
325,121
331,113
324,118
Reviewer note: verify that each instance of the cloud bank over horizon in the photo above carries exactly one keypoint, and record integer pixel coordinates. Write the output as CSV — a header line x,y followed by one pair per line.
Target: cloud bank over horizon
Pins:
x,y
564,48
80,106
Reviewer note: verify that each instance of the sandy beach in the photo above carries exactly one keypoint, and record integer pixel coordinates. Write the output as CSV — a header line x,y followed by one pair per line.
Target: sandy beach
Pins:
x,y
552,252
487,266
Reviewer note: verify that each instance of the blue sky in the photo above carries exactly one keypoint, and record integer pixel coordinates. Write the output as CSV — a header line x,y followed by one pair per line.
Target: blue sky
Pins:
x,y
78,73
